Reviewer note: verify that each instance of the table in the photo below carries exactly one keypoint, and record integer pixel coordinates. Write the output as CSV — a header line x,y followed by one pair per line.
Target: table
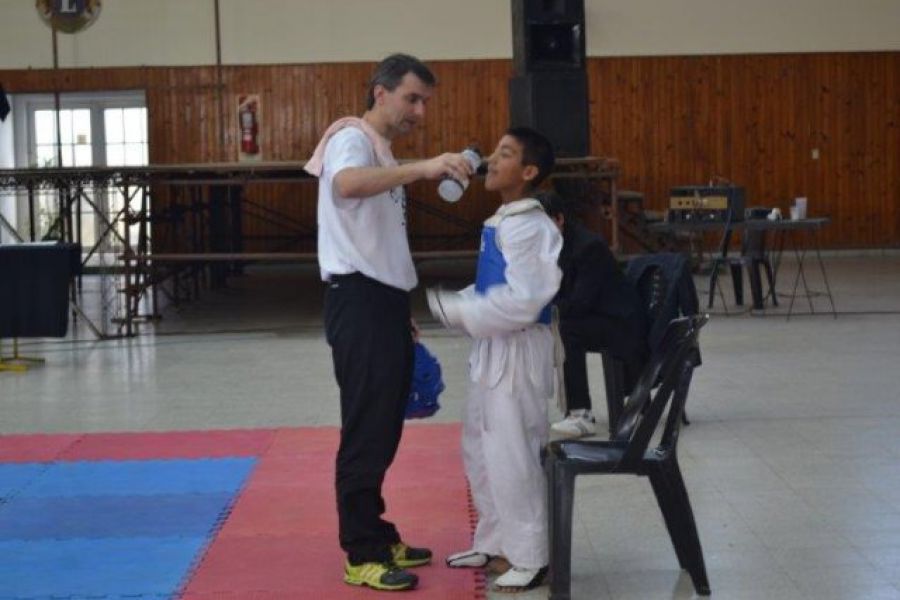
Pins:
x,y
784,230
35,282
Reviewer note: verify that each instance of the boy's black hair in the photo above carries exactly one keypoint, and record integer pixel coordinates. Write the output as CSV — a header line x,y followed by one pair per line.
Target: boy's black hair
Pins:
x,y
390,72
536,150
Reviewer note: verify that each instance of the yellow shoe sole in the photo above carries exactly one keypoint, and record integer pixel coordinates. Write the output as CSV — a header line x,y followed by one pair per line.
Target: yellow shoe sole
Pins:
x,y
378,586
359,581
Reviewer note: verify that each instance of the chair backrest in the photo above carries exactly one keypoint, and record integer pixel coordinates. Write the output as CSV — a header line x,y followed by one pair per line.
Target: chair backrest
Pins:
x,y
753,241
666,288
671,366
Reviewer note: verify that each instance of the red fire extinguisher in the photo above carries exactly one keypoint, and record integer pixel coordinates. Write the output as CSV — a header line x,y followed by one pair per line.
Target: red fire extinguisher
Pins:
x,y
249,126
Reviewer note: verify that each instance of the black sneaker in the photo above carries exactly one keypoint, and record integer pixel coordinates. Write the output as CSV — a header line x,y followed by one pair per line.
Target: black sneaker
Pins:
x,y
406,557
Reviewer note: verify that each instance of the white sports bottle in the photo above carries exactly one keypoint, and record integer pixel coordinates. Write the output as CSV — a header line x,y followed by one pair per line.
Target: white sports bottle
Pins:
x,y
451,189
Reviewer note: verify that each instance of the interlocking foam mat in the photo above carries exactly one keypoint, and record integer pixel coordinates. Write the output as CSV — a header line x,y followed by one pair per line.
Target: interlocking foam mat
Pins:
x,y
243,514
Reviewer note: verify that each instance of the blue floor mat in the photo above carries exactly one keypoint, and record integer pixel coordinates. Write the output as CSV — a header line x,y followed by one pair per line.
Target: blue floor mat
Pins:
x,y
99,568
16,477
191,515
108,529
140,477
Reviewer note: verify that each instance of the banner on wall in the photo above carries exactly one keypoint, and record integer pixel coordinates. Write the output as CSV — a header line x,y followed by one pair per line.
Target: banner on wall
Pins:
x,y
248,123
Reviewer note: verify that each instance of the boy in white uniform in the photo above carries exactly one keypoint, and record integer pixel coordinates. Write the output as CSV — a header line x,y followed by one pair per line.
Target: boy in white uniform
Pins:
x,y
511,364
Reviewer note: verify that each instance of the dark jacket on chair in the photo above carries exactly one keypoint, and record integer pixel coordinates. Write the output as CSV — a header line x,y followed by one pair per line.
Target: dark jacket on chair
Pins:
x,y
592,283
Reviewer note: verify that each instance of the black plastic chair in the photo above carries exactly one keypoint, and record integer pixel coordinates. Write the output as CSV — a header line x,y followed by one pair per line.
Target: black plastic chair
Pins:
x,y
672,365
754,257
657,278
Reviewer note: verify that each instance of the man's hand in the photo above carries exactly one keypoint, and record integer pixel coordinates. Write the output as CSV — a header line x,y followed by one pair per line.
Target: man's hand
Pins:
x,y
453,164
365,182
414,328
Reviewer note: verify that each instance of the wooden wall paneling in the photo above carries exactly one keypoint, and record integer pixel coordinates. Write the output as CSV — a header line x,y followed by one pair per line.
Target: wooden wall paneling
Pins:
x,y
881,79
838,192
892,146
865,102
670,120
854,123
874,174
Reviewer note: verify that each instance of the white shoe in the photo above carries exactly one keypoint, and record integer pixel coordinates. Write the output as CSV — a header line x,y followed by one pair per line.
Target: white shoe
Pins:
x,y
578,423
468,559
518,579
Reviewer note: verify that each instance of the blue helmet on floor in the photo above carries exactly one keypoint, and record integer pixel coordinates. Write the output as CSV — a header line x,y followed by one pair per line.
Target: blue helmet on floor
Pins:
x,y
427,385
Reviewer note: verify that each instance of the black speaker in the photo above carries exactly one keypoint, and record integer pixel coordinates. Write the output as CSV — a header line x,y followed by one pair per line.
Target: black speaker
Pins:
x,y
548,35
4,104
556,104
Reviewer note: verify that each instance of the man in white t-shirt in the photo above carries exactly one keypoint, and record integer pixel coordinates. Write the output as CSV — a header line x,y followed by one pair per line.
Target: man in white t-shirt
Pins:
x,y
364,257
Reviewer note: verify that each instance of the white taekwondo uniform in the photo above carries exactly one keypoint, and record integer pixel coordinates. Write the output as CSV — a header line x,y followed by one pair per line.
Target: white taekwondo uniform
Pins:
x,y
512,376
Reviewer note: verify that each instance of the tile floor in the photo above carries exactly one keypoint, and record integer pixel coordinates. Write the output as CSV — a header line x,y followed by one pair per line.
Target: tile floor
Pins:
x,y
791,461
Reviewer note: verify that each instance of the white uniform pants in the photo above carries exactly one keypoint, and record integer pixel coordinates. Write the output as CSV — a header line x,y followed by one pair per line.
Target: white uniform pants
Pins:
x,y
503,432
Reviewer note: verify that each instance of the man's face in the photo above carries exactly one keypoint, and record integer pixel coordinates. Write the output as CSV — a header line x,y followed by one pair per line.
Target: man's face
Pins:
x,y
404,106
505,170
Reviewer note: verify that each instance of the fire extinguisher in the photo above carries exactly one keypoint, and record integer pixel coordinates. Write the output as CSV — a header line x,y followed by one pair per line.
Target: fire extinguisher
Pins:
x,y
249,128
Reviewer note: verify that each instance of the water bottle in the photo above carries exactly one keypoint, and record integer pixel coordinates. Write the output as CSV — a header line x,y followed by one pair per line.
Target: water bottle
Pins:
x,y
451,189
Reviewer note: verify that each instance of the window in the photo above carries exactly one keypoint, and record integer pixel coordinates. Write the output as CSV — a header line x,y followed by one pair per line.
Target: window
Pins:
x,y
95,130
126,136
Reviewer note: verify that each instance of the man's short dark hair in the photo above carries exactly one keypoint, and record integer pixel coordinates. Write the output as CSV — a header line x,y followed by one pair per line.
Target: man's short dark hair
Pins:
x,y
390,72
536,150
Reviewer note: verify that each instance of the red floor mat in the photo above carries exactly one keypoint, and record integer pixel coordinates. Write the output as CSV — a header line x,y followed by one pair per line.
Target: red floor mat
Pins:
x,y
174,444
37,447
281,538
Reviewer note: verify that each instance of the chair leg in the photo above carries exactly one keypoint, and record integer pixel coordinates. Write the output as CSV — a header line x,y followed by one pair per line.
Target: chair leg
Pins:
x,y
771,277
662,489
737,280
614,380
690,541
755,284
713,280
561,499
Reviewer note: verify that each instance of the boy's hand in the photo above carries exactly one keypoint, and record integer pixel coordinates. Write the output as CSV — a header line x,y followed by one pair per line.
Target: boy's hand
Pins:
x,y
444,306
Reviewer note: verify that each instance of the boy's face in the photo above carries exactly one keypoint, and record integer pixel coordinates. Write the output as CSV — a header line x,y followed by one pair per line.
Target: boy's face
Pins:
x,y
505,172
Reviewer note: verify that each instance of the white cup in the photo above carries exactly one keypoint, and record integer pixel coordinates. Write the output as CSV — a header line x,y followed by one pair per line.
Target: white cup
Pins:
x,y
800,203
795,213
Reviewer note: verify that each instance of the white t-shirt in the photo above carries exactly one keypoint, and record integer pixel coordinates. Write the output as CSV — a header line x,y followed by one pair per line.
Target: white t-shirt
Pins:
x,y
365,235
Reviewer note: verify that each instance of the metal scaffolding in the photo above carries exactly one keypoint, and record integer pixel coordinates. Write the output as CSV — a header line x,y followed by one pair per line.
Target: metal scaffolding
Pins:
x,y
173,229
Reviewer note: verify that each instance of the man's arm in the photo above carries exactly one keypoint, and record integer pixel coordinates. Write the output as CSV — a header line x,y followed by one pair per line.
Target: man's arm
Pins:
x,y
363,182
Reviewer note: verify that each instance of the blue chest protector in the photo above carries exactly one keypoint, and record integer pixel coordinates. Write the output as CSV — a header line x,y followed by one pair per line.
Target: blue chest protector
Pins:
x,y
492,268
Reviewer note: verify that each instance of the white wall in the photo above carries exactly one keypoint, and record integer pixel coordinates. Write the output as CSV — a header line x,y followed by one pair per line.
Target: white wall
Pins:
x,y
673,27
312,31
127,33
181,32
